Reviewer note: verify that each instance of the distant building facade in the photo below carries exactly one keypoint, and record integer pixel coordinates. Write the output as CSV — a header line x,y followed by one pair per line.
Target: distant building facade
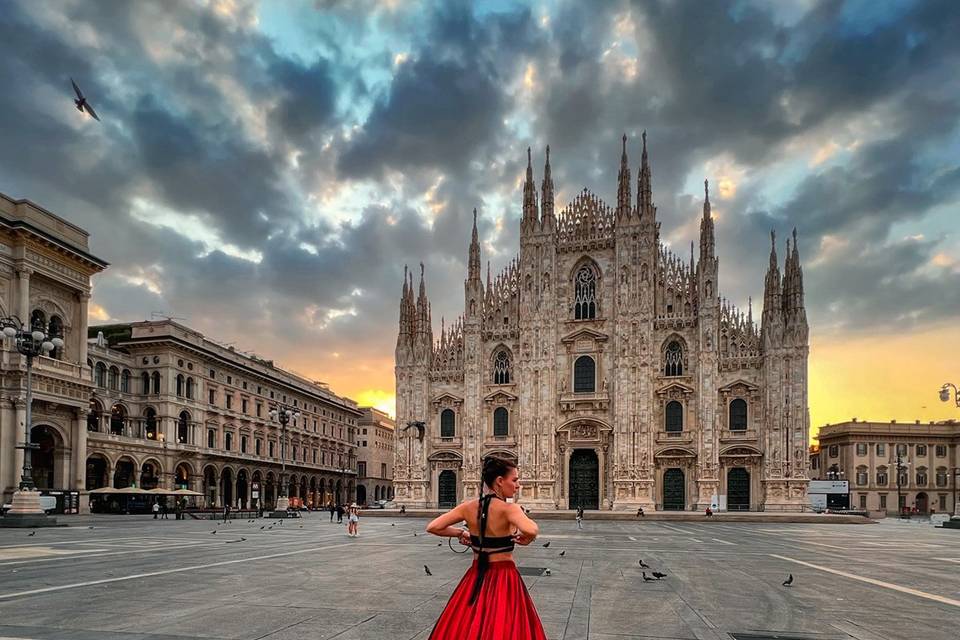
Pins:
x,y
45,271
866,455
608,367
375,451
171,408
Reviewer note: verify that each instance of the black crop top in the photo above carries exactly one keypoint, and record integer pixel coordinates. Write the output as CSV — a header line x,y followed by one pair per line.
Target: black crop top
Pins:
x,y
485,545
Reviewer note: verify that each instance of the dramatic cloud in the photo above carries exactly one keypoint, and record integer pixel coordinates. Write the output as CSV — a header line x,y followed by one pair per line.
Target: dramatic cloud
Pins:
x,y
265,170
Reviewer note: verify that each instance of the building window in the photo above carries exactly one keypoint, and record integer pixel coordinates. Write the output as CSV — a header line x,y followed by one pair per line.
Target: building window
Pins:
x,y
882,476
213,374
125,381
114,378
183,427
815,462
448,422
56,331
228,441
834,451
212,396
243,405
861,476
921,477
383,469
150,416
674,417
863,501
156,382
229,400
501,368
229,379
362,469
883,501
881,449
180,385
100,375
901,450
314,456
861,448
738,415
501,421
921,450
584,375
145,382
673,360
941,451
943,502
190,388
211,439
941,476
243,444
259,409
585,294
272,449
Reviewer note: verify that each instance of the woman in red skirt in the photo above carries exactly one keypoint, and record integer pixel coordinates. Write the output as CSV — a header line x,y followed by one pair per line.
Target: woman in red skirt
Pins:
x,y
491,602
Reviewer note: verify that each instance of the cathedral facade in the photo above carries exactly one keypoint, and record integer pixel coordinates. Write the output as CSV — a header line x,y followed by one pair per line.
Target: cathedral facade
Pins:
x,y
608,367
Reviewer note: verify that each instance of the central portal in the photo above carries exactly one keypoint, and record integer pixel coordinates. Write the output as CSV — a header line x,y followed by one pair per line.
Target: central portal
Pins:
x,y
584,479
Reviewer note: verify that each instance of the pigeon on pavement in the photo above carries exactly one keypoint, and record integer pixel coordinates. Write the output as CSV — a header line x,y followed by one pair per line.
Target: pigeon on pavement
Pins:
x,y
563,553
658,575
643,564
32,533
427,570
546,544
646,578
789,581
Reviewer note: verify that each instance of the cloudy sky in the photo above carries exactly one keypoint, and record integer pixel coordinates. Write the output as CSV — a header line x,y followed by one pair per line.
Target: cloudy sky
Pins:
x,y
264,170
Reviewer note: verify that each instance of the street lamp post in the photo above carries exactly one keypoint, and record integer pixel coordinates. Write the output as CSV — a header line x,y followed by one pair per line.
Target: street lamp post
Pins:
x,y
283,414
901,465
945,393
30,341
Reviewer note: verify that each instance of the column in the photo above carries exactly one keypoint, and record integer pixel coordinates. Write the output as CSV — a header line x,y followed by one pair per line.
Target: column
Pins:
x,y
217,497
22,309
84,299
21,413
79,453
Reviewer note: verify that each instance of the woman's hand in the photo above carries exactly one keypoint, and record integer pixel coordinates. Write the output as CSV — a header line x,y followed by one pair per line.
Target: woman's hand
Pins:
x,y
464,537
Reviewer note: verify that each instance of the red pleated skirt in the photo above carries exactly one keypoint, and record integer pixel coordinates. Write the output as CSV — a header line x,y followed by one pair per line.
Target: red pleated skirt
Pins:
x,y
503,609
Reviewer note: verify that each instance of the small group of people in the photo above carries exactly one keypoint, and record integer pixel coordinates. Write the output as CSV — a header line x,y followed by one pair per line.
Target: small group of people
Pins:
x,y
353,517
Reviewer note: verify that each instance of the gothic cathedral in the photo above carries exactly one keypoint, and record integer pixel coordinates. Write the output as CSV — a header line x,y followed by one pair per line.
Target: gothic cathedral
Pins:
x,y
608,368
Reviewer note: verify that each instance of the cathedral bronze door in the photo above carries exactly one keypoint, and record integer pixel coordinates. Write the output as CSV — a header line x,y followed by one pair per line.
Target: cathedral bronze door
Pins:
x,y
738,489
673,490
584,479
447,489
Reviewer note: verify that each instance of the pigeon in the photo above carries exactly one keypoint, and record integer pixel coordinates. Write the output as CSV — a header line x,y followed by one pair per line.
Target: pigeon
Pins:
x,y
643,564
546,572
563,553
646,578
427,570
392,524
89,527
546,544
414,534
439,544
214,532
658,575
789,581
32,533
270,527
81,102
240,540
263,527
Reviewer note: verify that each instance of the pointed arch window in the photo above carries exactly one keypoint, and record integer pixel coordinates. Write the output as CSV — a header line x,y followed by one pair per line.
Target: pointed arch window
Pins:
x,y
585,294
190,388
501,367
738,415
673,360
180,384
156,382
145,382
501,422
448,423
584,375
674,417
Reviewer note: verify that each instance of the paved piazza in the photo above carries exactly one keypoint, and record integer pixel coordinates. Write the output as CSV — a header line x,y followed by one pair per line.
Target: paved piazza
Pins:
x,y
133,577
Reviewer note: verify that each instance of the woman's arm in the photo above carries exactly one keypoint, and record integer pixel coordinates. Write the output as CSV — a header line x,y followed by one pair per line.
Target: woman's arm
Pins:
x,y
528,528
443,525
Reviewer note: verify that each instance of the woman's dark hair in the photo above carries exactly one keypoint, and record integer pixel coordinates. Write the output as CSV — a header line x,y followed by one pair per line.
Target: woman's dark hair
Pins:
x,y
493,468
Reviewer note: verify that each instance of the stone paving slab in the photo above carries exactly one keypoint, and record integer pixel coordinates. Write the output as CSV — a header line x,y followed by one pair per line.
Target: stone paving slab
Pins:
x,y
895,580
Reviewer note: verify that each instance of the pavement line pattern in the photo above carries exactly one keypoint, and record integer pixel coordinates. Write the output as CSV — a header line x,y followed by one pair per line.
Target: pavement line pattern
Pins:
x,y
732,544
5,596
873,581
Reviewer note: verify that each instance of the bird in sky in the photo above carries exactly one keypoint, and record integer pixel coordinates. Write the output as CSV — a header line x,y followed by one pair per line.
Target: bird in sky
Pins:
x,y
788,581
646,578
427,570
643,564
81,102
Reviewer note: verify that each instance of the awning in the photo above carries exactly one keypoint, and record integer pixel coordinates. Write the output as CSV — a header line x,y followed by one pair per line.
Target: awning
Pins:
x,y
185,492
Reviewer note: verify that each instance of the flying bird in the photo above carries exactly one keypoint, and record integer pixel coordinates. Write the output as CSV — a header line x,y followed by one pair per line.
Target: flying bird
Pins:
x,y
546,544
658,575
646,578
788,581
427,570
81,102
643,564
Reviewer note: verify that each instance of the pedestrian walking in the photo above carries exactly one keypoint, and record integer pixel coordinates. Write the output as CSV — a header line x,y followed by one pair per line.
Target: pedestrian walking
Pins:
x,y
226,512
579,517
353,520
163,511
339,513
332,511
177,510
156,510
